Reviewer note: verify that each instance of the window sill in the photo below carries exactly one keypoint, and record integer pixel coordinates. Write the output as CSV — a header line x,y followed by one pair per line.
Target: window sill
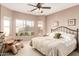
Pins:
x,y
24,37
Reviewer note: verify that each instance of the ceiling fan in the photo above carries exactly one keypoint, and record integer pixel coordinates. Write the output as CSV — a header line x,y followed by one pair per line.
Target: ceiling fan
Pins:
x,y
39,6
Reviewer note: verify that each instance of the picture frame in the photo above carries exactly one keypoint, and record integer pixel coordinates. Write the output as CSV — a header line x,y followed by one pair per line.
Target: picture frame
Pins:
x,y
72,22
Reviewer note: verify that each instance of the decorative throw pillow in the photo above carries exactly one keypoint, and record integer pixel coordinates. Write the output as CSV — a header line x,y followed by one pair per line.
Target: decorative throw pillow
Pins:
x,y
57,35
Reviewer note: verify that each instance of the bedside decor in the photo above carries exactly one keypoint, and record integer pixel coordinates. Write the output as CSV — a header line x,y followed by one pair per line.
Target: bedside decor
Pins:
x,y
72,22
57,35
55,25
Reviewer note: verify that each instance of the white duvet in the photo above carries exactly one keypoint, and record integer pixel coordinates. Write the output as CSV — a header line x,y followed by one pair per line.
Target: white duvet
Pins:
x,y
54,47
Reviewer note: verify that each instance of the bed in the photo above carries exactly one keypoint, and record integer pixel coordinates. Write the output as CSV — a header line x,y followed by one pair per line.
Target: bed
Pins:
x,y
51,46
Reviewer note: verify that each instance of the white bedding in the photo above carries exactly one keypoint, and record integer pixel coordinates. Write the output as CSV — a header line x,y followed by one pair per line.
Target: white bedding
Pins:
x,y
52,47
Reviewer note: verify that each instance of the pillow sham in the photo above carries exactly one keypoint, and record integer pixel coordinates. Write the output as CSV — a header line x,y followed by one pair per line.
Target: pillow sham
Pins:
x,y
68,35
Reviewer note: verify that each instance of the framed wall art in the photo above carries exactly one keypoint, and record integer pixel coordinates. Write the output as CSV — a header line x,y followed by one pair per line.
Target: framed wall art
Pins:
x,y
72,22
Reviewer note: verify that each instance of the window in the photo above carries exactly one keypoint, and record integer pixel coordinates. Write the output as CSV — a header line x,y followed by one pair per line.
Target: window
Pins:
x,y
19,25
40,24
40,27
24,27
6,27
29,23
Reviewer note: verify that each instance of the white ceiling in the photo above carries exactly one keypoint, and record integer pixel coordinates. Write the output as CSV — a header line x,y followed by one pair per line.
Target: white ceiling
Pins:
x,y
25,8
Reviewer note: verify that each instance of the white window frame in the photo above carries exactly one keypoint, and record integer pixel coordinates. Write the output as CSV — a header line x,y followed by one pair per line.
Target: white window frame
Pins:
x,y
8,19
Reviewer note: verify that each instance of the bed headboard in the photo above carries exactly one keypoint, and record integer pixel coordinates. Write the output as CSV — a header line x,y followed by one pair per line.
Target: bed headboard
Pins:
x,y
68,30
64,29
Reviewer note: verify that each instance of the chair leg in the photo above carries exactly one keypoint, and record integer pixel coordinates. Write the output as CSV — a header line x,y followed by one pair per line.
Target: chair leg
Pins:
x,y
2,52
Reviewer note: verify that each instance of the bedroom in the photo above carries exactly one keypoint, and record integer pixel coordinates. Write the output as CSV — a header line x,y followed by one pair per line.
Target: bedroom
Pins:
x,y
22,22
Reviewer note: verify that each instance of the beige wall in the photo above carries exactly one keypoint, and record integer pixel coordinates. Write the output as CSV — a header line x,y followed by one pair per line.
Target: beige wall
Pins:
x,y
63,17
17,15
0,17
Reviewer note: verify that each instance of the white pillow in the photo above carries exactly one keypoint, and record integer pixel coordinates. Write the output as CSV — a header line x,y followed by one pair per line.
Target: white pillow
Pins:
x,y
53,33
68,37
64,35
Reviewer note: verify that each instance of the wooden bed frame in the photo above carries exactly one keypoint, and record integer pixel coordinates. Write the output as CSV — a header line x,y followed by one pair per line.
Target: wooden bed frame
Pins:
x,y
70,31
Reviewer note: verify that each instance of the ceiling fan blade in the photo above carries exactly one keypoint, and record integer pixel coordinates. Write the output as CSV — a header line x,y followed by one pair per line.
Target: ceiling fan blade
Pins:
x,y
31,5
46,7
33,9
38,4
